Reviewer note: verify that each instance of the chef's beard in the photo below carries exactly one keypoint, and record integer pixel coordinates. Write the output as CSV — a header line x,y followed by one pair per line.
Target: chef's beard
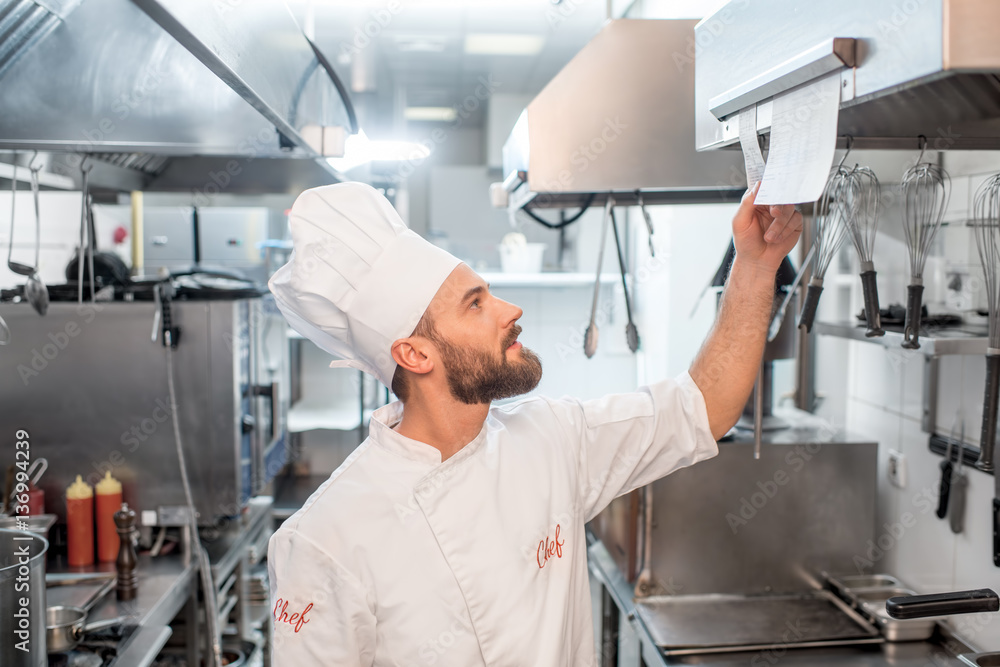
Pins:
x,y
477,376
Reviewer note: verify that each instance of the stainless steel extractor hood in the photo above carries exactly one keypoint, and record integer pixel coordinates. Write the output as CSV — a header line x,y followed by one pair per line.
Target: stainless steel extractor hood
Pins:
x,y
909,69
176,87
619,117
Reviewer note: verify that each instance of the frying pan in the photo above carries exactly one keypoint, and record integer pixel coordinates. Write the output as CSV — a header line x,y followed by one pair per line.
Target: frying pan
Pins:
x,y
65,626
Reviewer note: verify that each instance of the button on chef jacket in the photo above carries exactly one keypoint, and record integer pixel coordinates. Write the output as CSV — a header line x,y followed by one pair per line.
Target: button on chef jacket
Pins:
x,y
400,559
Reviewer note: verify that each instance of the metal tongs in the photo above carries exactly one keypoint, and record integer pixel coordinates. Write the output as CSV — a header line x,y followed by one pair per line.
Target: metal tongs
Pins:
x,y
590,337
631,332
648,219
87,236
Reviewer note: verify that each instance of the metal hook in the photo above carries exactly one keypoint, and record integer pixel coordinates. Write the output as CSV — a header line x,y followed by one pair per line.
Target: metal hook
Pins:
x,y
31,164
923,146
84,166
849,140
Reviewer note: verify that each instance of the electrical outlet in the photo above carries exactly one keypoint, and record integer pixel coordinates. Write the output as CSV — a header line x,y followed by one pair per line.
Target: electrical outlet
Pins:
x,y
897,469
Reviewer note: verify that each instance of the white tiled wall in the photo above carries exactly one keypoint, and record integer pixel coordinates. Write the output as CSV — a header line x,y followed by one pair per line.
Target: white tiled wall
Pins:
x,y
885,398
674,313
59,213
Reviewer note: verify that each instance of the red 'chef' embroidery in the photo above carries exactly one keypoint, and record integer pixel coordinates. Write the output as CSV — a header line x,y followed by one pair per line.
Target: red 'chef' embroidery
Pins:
x,y
298,619
548,548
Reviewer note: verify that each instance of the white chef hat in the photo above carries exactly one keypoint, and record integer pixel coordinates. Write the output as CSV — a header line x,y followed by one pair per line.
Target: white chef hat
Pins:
x,y
357,279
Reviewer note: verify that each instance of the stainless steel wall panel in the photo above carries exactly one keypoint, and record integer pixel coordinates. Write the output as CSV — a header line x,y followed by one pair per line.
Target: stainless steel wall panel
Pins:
x,y
229,235
168,236
90,386
735,525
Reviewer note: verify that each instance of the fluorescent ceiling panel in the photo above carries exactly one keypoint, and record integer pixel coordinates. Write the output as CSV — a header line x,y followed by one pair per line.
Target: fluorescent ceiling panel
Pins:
x,y
438,114
489,44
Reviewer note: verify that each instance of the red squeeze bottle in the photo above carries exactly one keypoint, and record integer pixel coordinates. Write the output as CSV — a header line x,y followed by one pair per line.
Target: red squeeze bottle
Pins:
x,y
80,523
109,501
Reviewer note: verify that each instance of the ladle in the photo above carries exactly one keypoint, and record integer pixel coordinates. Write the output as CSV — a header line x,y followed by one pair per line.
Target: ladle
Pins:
x,y
34,289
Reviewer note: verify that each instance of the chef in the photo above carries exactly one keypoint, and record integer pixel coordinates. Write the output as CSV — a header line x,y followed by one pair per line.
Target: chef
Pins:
x,y
454,535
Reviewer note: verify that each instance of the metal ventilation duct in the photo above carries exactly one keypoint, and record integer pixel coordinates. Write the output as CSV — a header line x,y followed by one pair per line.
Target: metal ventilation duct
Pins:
x,y
23,23
619,118
171,85
921,68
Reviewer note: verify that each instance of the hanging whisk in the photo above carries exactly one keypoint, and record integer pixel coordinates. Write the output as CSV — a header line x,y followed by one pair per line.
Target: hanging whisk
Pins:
x,y
925,195
986,224
830,230
862,226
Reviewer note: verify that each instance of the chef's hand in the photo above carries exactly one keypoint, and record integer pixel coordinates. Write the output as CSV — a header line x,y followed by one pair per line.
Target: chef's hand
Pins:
x,y
764,235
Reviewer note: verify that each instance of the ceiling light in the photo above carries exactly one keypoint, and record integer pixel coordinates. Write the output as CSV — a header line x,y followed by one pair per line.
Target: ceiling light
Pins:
x,y
360,150
432,114
503,44
420,43
447,4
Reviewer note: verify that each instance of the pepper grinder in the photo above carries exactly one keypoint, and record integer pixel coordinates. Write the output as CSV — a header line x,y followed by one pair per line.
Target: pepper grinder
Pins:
x,y
127,561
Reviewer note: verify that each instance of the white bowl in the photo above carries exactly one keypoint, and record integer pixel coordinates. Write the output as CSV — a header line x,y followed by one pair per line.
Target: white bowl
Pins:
x,y
521,259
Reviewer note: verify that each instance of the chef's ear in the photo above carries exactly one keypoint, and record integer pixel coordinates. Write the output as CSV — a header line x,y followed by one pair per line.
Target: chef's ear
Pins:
x,y
411,354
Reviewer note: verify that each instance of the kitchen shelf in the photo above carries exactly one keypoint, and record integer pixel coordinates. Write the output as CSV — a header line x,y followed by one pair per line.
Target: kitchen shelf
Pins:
x,y
45,179
961,339
291,493
546,279
308,416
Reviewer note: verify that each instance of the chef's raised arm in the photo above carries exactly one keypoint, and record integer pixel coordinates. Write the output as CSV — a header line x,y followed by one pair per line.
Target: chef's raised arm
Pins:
x,y
321,615
726,367
629,440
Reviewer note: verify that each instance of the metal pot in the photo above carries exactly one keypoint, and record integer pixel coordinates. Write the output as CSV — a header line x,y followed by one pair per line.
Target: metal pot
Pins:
x,y
66,626
233,658
22,578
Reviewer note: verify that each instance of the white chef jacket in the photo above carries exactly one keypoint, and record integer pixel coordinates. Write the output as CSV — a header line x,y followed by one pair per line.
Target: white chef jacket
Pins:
x,y
400,559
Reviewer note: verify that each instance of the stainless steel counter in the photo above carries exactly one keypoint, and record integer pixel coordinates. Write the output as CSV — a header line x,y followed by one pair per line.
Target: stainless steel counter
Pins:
x,y
903,654
227,547
166,584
